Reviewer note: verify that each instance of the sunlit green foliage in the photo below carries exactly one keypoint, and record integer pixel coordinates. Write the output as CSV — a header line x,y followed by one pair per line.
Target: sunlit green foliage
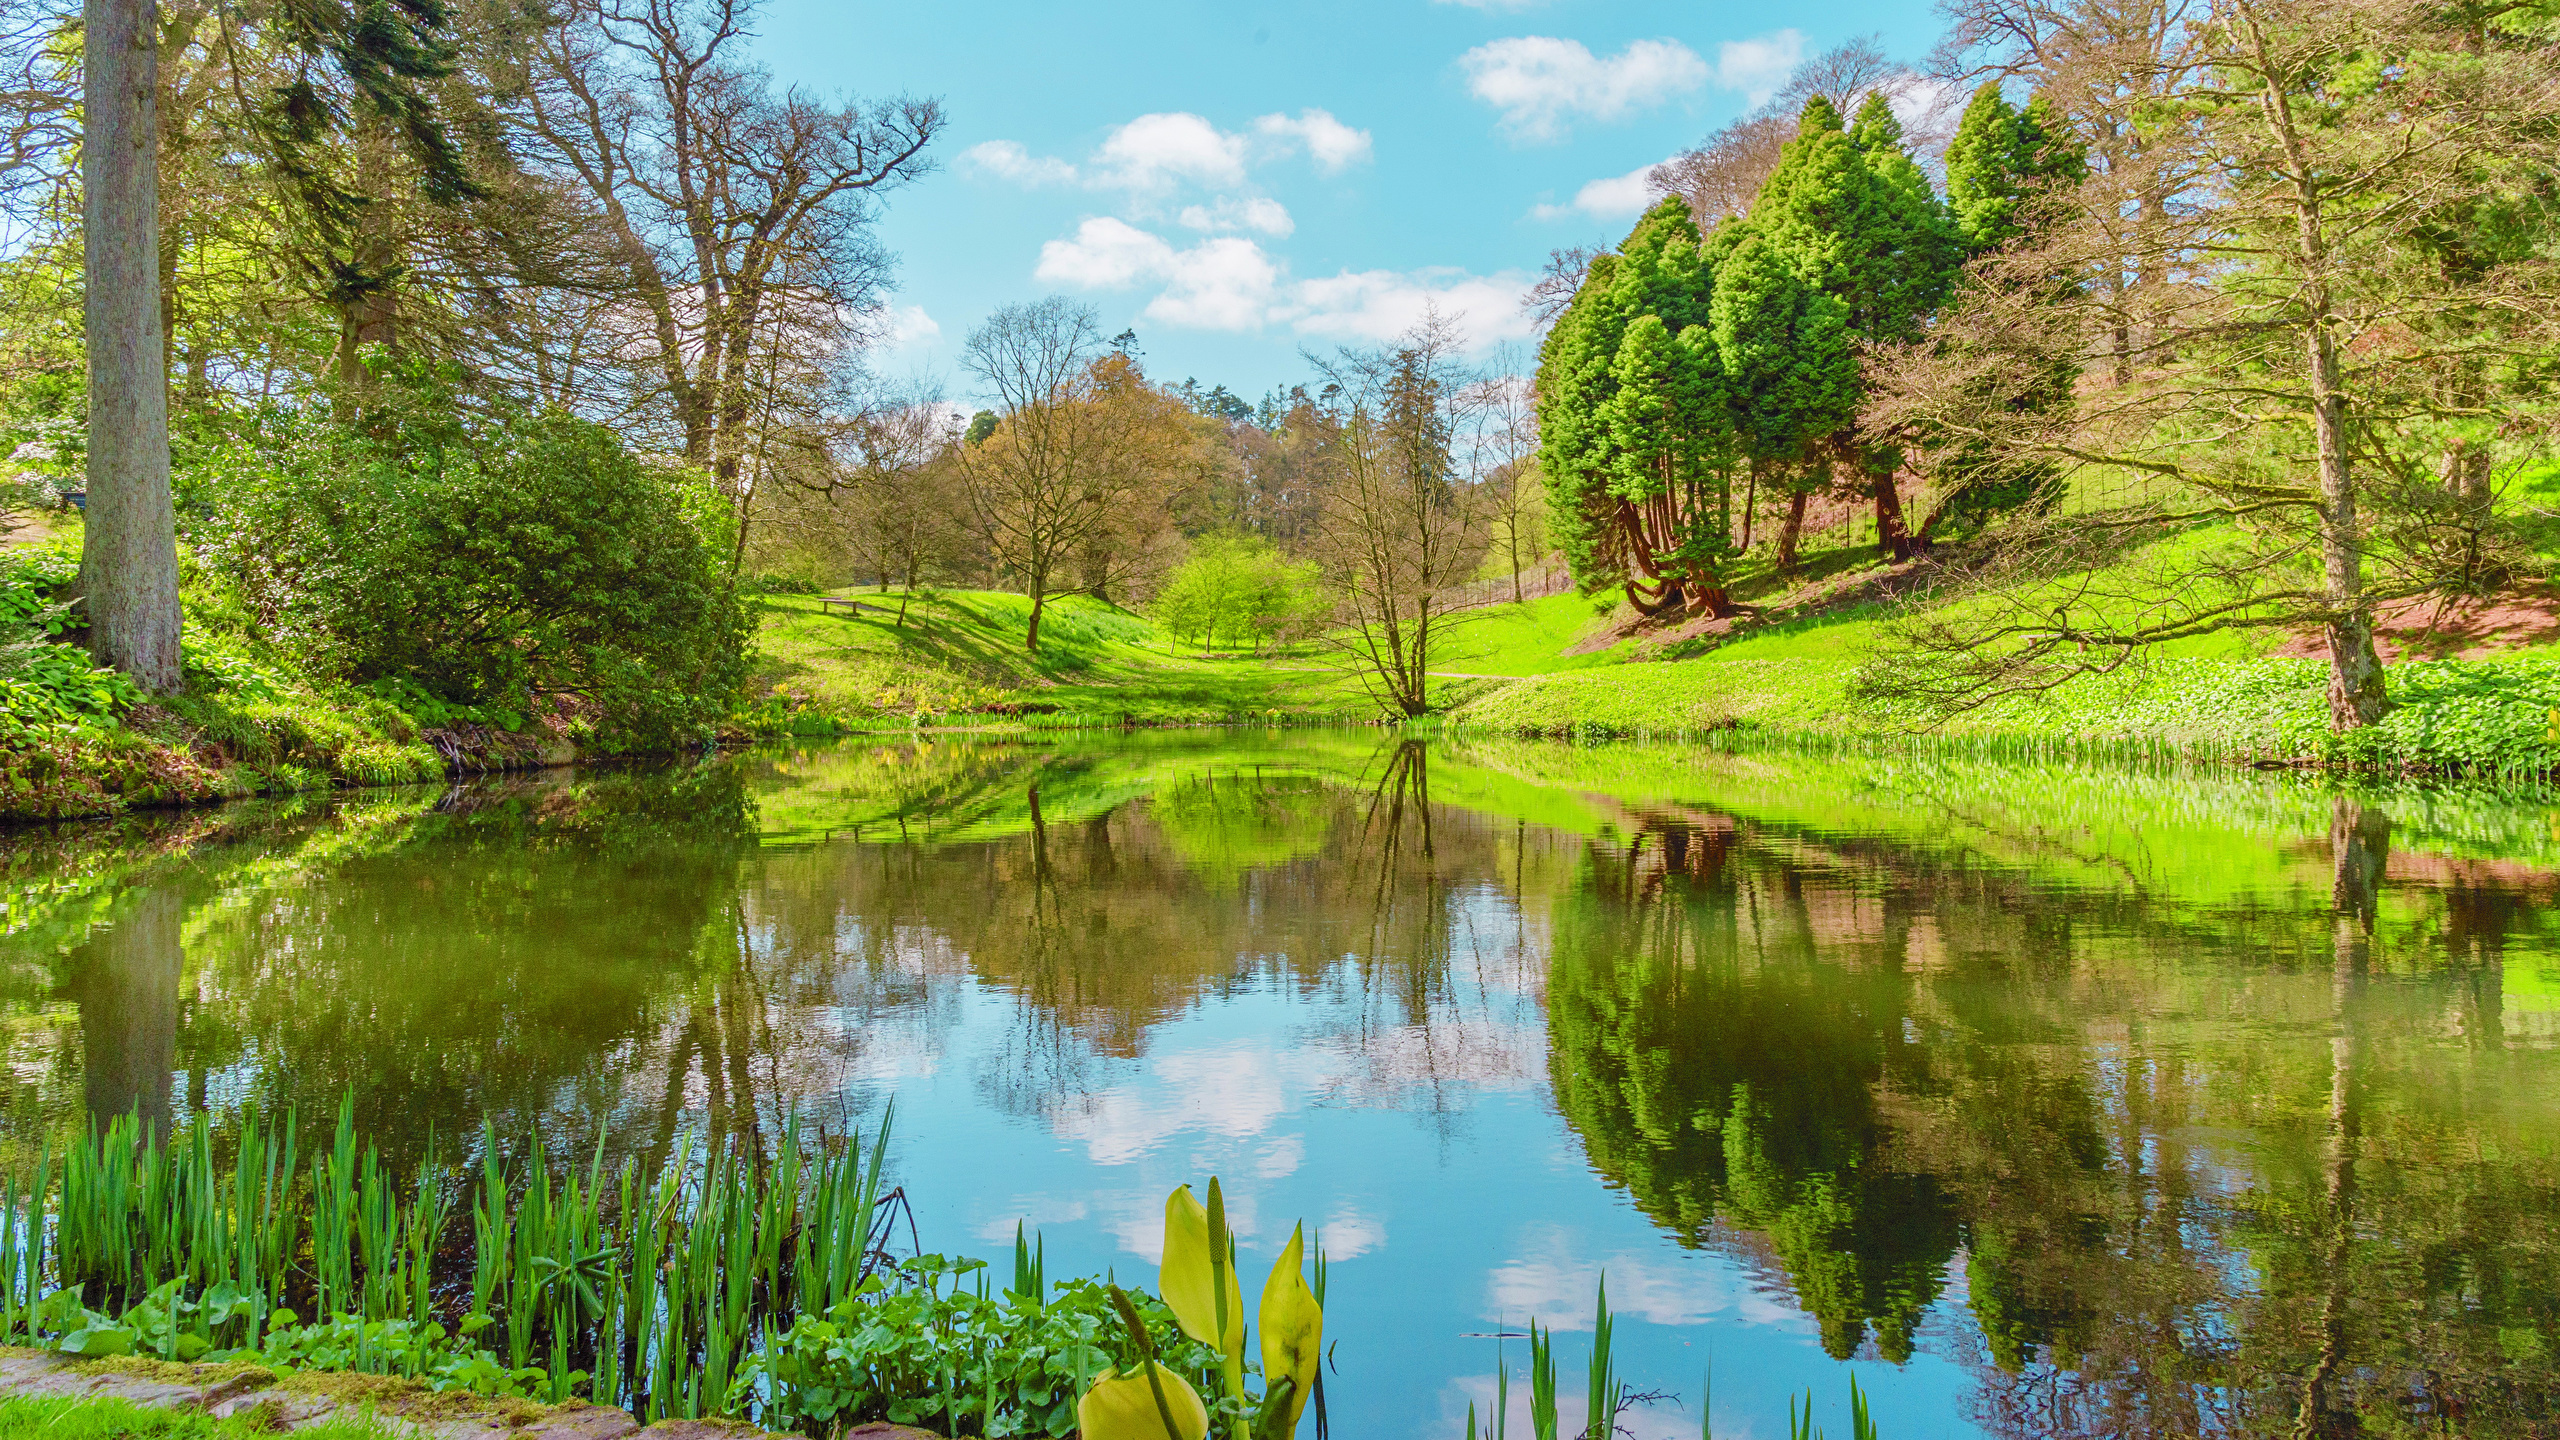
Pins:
x,y
523,563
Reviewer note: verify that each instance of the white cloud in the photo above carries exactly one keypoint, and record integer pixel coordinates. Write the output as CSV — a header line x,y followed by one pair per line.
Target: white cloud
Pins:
x,y
1540,83
1231,214
1009,161
1921,103
1221,284
1228,282
1758,66
1611,197
902,326
1106,254
1153,151
1225,283
1372,305
1157,153
1334,146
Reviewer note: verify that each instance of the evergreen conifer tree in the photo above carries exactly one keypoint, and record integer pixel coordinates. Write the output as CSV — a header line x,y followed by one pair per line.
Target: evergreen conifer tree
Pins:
x,y
1792,369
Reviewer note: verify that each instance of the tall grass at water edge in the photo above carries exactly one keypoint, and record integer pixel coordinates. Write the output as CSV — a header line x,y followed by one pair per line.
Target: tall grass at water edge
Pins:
x,y
1606,1395
647,1290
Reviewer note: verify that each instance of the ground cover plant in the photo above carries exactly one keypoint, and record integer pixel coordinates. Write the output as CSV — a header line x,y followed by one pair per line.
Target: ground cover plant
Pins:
x,y
24,1417
730,1284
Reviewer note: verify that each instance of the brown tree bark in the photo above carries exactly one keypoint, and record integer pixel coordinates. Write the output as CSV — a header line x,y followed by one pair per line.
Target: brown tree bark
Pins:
x,y
1893,535
2356,694
129,544
1792,531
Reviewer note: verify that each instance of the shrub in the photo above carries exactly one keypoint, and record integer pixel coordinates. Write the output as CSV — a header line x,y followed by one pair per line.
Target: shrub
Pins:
x,y
526,559
1239,589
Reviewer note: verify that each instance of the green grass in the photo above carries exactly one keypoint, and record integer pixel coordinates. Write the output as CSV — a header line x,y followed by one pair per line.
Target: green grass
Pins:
x,y
1530,638
53,1418
962,651
2494,715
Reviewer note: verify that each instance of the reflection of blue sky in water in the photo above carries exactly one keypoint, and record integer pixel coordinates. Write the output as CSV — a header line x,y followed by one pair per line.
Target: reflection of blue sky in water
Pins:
x,y
1981,1064
1454,1201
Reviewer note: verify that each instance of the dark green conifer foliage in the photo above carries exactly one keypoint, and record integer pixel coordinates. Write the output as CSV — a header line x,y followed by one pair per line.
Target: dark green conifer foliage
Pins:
x,y
1791,369
1658,271
1671,443
2000,156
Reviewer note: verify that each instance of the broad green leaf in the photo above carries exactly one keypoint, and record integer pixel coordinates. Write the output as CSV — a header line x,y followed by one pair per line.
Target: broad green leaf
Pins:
x,y
1189,1277
1292,1337
1123,1407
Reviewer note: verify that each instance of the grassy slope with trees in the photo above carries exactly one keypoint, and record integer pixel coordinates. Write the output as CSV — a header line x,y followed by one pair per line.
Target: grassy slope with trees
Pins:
x,y
2118,402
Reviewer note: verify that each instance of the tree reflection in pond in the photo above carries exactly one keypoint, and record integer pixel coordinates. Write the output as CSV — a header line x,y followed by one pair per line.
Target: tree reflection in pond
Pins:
x,y
2104,1102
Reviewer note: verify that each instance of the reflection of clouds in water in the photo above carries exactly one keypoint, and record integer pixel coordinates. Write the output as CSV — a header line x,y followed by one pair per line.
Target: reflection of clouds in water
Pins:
x,y
1665,1421
1384,1067
1032,1212
1136,1220
1347,1233
1233,1092
893,1055
1283,1157
1550,1281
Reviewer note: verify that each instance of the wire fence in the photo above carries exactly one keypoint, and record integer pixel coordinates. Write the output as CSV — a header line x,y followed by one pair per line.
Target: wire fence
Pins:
x,y
1536,582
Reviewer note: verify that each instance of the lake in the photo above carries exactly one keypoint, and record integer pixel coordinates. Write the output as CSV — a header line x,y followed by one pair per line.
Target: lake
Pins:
x,y
2044,1099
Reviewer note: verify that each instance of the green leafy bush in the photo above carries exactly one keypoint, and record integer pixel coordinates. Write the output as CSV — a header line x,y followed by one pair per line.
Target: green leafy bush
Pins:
x,y
929,1351
522,561
48,689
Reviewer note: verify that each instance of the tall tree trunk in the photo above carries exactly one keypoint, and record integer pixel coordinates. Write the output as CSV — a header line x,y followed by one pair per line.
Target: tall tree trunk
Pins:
x,y
129,548
1893,535
1792,531
1750,504
2356,695
1039,598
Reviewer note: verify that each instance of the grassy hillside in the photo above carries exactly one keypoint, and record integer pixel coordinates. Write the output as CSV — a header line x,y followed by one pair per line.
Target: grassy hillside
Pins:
x,y
1565,665
2223,695
960,653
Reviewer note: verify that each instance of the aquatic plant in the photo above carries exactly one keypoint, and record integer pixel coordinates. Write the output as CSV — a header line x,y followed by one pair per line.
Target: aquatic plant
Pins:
x,y
1140,1399
651,1292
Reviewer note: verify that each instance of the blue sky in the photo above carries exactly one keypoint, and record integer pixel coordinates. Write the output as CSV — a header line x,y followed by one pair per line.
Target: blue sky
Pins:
x,y
1236,182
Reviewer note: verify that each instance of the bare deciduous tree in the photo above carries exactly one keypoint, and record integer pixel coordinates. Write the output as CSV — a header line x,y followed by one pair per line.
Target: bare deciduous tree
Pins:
x,y
1400,525
902,488
742,214
1065,471
1502,453
2295,354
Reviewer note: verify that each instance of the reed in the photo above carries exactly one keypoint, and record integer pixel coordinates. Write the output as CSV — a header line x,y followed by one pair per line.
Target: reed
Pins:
x,y
648,1291
1606,1396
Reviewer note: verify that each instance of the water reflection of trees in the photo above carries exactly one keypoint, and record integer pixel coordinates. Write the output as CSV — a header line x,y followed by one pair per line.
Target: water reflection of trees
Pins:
x,y
2199,1176
1355,886
504,950
2262,1161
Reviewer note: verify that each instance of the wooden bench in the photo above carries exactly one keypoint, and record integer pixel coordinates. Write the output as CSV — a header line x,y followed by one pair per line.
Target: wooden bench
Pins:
x,y
850,603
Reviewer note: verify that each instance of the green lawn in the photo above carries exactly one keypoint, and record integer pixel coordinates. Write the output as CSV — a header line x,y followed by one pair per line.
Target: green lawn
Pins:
x,y
1531,638
962,651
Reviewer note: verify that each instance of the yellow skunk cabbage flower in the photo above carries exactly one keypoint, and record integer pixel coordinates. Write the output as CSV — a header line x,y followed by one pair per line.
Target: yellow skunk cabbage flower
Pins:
x,y
1292,1334
1123,1407
1198,1279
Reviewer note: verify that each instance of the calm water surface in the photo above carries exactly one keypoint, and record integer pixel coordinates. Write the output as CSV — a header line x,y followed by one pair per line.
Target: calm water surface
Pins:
x,y
2044,1100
